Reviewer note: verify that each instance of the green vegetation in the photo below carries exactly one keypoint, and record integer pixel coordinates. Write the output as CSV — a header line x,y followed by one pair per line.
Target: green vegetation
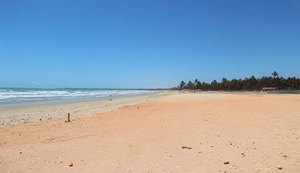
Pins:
x,y
247,84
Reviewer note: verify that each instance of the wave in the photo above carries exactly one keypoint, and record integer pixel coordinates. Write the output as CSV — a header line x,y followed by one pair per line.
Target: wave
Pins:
x,y
27,95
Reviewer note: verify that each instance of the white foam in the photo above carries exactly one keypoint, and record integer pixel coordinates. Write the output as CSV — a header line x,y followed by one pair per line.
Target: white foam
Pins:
x,y
11,95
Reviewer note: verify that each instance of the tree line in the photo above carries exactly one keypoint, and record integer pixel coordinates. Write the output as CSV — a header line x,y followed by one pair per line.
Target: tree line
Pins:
x,y
247,84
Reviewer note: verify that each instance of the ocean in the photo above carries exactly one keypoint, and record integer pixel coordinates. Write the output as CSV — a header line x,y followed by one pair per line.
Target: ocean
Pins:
x,y
29,96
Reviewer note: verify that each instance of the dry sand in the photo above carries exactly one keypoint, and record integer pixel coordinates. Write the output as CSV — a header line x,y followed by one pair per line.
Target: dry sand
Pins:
x,y
181,132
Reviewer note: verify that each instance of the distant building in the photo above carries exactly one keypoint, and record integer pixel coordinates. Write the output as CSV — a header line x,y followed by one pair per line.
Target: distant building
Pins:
x,y
269,88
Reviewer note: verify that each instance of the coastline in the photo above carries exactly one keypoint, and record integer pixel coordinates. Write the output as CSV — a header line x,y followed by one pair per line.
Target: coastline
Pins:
x,y
14,115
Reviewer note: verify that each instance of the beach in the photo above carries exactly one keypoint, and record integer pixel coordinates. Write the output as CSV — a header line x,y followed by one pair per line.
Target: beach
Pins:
x,y
167,132
37,107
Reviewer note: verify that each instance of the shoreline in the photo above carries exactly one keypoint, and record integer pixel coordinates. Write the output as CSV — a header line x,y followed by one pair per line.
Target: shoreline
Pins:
x,y
14,115
22,114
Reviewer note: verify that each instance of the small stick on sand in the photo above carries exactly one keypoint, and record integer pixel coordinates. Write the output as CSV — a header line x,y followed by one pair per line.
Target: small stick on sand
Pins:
x,y
69,118
185,147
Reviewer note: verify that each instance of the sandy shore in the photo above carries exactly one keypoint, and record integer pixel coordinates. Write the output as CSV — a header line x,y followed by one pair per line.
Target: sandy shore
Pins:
x,y
179,132
25,114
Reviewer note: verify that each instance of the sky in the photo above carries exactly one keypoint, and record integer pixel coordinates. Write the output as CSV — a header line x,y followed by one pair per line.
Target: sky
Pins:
x,y
145,43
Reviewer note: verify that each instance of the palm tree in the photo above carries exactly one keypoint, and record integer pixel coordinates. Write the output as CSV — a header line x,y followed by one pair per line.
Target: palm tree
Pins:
x,y
253,83
214,85
190,85
182,85
197,84
275,74
224,84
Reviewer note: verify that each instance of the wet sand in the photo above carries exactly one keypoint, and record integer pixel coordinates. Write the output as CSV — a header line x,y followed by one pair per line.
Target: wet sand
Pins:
x,y
178,132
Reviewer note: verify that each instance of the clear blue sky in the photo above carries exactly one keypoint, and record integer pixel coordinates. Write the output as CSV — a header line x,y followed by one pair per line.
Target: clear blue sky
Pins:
x,y
145,43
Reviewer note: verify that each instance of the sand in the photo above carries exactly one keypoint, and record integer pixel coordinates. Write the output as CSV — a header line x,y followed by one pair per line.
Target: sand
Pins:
x,y
39,112
178,132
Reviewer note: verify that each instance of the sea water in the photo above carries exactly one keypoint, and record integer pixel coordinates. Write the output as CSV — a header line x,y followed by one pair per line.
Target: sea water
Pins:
x,y
26,96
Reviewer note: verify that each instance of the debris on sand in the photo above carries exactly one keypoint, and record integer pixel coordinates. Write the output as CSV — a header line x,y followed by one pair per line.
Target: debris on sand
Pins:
x,y
71,165
186,148
226,163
